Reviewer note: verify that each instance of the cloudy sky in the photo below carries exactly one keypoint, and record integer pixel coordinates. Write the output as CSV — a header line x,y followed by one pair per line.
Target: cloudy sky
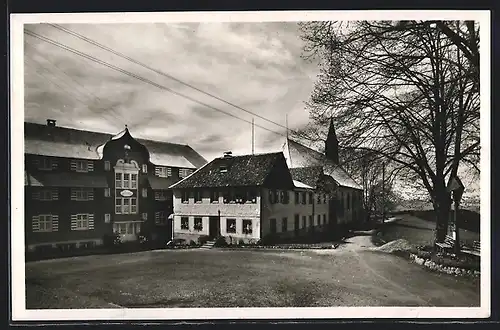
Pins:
x,y
256,66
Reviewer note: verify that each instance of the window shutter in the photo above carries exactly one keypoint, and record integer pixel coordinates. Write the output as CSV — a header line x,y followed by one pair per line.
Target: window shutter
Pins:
x,y
35,162
169,171
157,217
157,171
73,194
73,165
107,192
35,223
90,193
35,195
73,221
144,216
55,222
90,166
107,165
107,218
55,194
54,164
144,168
91,221
144,192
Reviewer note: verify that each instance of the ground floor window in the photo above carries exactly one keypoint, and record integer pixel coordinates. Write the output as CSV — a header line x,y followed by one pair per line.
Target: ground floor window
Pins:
x,y
127,228
231,225
304,219
45,223
185,223
198,224
247,226
324,218
284,224
319,219
159,217
82,221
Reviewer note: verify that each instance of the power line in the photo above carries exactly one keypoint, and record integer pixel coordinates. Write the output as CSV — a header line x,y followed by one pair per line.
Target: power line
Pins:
x,y
95,43
89,57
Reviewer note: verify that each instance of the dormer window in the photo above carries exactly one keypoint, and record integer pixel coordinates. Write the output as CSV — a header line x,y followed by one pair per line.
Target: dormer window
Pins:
x,y
223,169
184,172
46,164
163,172
81,165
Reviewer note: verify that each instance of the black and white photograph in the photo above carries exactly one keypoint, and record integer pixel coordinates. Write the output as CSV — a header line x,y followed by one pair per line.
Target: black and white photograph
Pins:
x,y
234,165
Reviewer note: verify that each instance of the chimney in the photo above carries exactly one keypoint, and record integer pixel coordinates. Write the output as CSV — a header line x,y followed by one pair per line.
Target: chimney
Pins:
x,y
51,122
228,154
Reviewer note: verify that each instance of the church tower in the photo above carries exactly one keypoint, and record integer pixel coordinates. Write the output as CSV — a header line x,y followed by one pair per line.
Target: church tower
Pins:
x,y
332,144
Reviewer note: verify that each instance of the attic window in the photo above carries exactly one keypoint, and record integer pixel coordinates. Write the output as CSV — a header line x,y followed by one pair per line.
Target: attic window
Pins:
x,y
223,169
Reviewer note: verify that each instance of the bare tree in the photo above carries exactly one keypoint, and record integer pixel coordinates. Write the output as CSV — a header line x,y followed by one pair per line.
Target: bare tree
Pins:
x,y
407,91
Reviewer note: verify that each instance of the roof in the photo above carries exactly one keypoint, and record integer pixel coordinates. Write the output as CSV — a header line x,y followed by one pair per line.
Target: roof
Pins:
x,y
65,179
309,175
158,183
299,184
233,171
72,143
299,155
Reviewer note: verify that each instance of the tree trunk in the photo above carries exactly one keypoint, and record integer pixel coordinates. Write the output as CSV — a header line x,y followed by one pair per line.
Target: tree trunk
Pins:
x,y
442,209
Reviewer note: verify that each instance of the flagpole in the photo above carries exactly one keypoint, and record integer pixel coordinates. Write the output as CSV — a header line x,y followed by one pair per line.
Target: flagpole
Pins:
x,y
253,137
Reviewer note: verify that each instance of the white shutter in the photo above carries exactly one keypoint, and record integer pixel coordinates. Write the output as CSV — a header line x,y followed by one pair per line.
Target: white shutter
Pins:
x,y
35,195
90,193
144,192
144,216
107,192
144,168
157,217
73,194
73,222
55,222
90,166
35,223
107,218
169,171
157,171
91,221
73,165
55,194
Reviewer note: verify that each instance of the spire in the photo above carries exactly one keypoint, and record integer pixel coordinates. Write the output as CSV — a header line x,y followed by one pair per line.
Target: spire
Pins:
x,y
332,144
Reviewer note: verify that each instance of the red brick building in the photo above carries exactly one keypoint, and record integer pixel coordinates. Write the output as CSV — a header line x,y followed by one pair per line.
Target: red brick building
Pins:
x,y
81,186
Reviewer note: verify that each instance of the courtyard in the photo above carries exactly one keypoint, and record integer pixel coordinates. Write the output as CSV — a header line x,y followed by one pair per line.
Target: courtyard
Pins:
x,y
353,275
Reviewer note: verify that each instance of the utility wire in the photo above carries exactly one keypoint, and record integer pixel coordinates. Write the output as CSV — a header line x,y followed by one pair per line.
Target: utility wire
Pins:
x,y
95,43
89,57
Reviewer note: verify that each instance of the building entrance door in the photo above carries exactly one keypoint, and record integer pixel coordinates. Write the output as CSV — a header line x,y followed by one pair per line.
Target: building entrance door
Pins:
x,y
128,231
213,227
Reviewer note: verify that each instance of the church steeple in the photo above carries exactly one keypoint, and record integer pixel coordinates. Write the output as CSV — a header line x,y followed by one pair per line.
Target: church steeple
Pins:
x,y
332,144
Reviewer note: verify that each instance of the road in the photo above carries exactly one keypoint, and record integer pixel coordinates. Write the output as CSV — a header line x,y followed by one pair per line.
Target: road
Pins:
x,y
352,275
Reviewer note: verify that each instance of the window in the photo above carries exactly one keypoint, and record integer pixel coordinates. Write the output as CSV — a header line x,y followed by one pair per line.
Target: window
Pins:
x,y
159,217
126,180
304,225
324,218
82,221
319,219
185,197
144,216
240,196
127,228
198,224
197,196
107,165
133,181
310,197
160,195
297,197
82,194
81,165
144,168
247,226
324,198
184,172
46,195
163,172
46,164
227,196
273,197
348,201
185,223
284,197
311,221
133,205
107,192
214,196
45,223
296,225
284,224
107,218
231,225
272,226
319,199
118,180
144,192
126,205
304,197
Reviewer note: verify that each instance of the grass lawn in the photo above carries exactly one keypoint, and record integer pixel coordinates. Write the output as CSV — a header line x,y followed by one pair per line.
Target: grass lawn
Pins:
x,y
225,278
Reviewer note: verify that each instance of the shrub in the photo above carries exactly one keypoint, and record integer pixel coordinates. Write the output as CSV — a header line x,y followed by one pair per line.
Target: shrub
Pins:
x,y
220,241
241,242
193,243
203,239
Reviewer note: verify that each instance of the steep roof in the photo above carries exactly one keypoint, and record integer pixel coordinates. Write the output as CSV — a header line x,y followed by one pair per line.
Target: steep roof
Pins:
x,y
234,171
299,155
72,143
65,179
308,175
